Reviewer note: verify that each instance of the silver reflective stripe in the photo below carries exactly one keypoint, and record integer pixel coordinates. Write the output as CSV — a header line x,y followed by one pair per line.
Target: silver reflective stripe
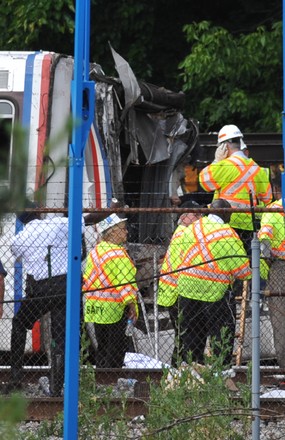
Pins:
x,y
266,229
198,249
241,271
278,253
99,261
109,295
168,279
205,274
247,177
207,178
107,255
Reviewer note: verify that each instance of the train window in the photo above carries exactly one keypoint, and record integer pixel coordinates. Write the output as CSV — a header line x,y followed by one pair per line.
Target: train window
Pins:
x,y
4,79
7,115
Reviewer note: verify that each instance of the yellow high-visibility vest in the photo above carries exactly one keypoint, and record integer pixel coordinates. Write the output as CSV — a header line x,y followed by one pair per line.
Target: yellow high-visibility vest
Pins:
x,y
108,267
272,228
232,179
167,287
213,257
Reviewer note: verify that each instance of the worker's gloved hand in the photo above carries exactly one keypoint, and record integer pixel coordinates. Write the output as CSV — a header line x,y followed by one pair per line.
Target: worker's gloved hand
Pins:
x,y
221,152
265,248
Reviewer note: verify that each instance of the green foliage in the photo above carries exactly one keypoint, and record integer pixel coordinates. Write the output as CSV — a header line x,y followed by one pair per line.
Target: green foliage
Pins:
x,y
12,195
228,75
24,24
46,429
12,411
234,78
191,402
128,25
188,406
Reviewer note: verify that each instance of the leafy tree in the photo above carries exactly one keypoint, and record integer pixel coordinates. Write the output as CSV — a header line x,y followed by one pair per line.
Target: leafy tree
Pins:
x,y
234,78
233,70
128,25
37,24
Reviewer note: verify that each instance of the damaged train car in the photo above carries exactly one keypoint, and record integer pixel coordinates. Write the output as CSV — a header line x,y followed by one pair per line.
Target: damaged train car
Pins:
x,y
138,142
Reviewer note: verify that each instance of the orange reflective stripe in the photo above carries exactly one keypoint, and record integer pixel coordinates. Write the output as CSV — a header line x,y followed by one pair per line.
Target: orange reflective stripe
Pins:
x,y
213,271
168,255
245,179
95,274
204,251
111,295
169,279
278,253
267,195
109,255
277,205
106,296
101,274
266,230
207,180
243,271
98,272
206,275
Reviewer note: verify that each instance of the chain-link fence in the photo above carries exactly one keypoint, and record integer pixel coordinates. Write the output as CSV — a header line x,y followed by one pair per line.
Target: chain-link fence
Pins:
x,y
187,294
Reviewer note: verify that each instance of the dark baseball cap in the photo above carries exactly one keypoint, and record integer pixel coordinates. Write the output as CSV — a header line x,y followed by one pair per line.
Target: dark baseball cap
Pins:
x,y
191,204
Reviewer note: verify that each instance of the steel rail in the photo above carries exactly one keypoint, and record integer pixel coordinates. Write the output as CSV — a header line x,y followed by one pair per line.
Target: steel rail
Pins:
x,y
46,408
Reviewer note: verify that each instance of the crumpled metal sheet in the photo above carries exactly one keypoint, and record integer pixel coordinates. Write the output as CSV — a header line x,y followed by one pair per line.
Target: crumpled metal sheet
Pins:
x,y
129,81
151,138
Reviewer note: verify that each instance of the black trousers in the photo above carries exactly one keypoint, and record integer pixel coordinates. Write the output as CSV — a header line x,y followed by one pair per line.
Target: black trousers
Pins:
x,y
176,318
201,319
112,344
246,237
42,296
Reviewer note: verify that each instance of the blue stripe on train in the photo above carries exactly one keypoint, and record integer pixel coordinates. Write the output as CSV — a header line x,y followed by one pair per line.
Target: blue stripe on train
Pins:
x,y
26,117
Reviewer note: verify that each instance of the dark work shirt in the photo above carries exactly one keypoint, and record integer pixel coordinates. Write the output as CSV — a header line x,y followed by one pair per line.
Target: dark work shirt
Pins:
x,y
2,270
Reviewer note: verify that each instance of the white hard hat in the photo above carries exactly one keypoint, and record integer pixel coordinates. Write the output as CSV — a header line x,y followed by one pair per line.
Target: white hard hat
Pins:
x,y
109,222
229,132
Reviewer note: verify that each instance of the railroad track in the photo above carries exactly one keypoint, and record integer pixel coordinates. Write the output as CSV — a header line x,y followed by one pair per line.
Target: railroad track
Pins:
x,y
46,408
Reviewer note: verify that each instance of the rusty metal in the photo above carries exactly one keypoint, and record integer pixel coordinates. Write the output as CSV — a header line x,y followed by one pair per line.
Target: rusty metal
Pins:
x,y
43,408
103,376
46,408
111,375
152,210
40,409
271,293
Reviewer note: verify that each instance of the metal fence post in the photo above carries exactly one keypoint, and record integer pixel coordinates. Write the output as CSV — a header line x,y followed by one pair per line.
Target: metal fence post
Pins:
x,y
255,299
83,114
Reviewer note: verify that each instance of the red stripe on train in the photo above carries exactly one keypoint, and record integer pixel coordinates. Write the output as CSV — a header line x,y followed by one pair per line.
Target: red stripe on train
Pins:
x,y
42,135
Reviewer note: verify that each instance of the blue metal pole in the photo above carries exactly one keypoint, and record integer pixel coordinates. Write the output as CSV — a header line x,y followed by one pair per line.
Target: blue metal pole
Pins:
x,y
82,117
283,113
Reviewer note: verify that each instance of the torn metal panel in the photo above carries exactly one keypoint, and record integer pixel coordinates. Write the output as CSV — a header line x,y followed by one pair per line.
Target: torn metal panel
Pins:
x,y
109,127
133,141
129,81
156,186
141,124
151,138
